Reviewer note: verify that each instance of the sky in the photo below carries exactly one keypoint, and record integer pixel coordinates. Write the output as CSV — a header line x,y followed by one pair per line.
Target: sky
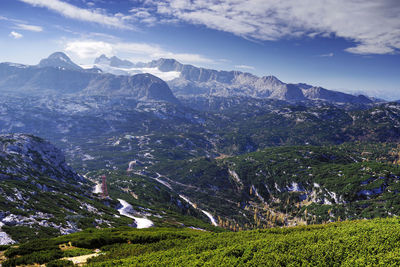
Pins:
x,y
345,45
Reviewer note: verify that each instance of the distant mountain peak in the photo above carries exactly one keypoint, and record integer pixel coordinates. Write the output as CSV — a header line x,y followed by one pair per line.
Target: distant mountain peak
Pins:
x,y
59,60
166,64
114,61
103,56
167,60
59,55
101,59
271,79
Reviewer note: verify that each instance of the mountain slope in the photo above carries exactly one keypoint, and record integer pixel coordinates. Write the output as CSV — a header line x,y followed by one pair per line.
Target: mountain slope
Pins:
x,y
41,195
142,87
98,131
291,185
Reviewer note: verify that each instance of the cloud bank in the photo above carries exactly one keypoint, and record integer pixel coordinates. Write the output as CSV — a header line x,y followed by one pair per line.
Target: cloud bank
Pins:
x,y
373,26
89,49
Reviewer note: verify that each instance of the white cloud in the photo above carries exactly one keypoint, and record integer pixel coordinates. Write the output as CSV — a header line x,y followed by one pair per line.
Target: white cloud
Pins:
x,y
87,49
15,35
73,12
373,25
27,27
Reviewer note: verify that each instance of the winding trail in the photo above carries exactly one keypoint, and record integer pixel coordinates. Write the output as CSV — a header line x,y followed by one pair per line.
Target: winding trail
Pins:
x,y
81,259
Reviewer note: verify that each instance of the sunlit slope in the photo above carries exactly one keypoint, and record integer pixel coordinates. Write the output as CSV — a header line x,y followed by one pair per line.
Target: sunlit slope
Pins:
x,y
350,243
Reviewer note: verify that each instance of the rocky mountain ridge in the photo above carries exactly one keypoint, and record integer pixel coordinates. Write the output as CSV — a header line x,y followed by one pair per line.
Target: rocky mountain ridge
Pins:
x,y
194,81
59,75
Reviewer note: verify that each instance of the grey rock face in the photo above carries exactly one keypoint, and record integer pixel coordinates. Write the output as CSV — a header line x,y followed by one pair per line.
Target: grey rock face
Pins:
x,y
143,87
195,81
27,154
320,93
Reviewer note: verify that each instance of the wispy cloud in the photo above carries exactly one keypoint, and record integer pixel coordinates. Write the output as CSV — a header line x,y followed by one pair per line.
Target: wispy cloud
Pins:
x,y
27,27
374,26
11,20
245,67
87,49
22,25
74,12
327,55
15,35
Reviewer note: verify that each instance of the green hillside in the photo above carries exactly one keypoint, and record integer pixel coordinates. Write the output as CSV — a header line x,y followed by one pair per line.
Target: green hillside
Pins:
x,y
351,243
292,185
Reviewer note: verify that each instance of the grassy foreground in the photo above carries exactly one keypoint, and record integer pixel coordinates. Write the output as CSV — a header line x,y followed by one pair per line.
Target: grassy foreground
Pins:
x,y
351,243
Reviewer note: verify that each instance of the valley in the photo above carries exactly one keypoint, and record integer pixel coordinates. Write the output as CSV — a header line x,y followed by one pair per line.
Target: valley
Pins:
x,y
199,133
187,158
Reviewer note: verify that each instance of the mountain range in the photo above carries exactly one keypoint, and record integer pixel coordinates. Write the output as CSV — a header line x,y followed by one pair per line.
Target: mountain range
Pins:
x,y
57,74
190,81
116,77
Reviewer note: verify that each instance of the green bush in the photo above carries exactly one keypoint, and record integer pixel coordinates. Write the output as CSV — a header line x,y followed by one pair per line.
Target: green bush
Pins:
x,y
59,263
4,247
39,257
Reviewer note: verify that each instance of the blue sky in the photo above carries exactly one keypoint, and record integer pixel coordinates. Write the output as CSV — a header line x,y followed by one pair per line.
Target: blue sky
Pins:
x,y
346,45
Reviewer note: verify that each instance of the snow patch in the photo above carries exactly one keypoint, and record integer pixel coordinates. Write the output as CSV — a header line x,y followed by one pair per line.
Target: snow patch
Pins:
x,y
5,239
163,183
87,157
235,176
97,189
213,221
295,187
257,194
126,211
334,196
277,188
